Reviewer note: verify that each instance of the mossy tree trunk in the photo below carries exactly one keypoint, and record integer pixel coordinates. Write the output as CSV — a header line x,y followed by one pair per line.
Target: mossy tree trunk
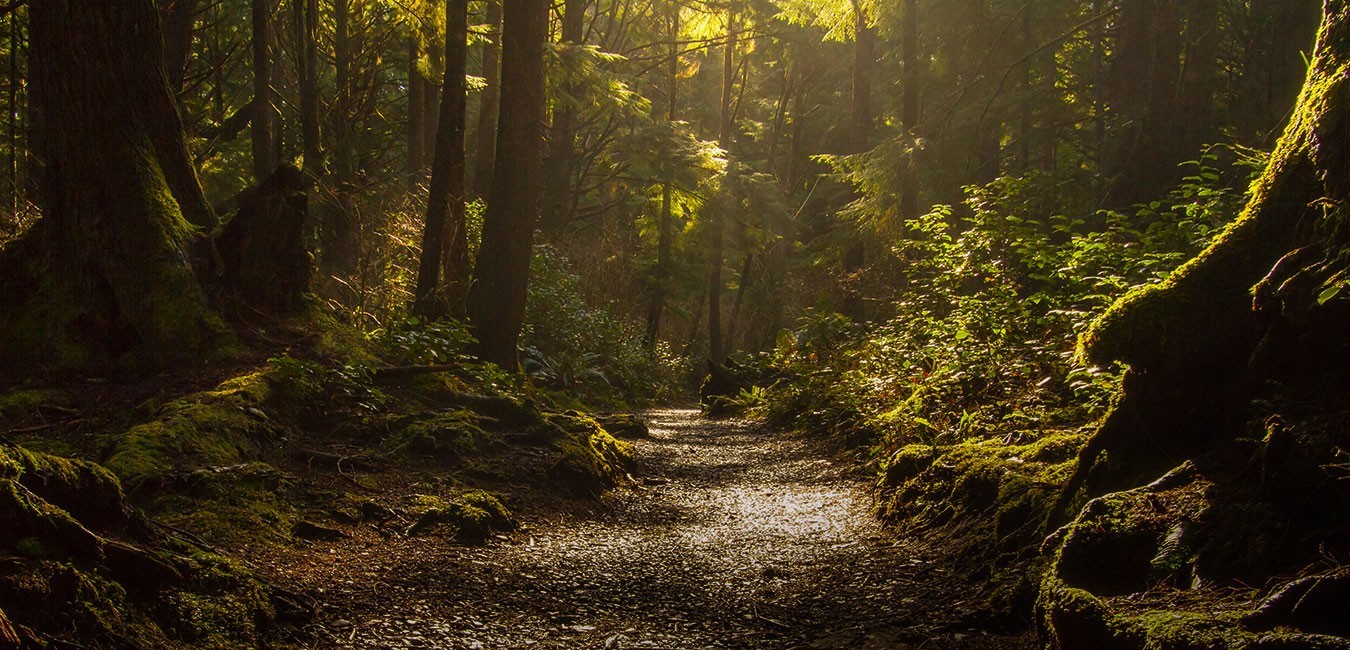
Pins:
x,y
106,278
1268,300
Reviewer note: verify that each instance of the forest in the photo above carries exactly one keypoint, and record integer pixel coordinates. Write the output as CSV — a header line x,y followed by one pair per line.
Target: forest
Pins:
x,y
967,324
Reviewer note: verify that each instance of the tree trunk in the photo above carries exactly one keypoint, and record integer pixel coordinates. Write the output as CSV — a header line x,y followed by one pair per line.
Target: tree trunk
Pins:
x,y
660,284
716,346
344,154
860,136
1201,75
496,301
562,134
1266,302
307,28
490,103
416,112
909,108
105,280
16,182
431,98
1145,80
180,21
444,240
263,258
263,112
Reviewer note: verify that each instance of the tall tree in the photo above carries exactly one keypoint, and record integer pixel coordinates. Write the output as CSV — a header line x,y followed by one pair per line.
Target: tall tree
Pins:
x,y
860,136
909,108
445,205
105,279
306,14
496,300
416,110
264,151
179,19
485,137
1144,89
561,145
716,345
664,236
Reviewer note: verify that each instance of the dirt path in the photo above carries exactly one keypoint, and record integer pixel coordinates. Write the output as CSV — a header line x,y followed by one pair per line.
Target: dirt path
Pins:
x,y
732,538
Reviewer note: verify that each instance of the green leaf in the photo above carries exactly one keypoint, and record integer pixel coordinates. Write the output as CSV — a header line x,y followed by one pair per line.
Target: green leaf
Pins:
x,y
1331,292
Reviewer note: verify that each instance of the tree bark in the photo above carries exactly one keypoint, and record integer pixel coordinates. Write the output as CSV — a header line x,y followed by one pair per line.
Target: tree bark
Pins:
x,y
562,133
444,239
1145,80
490,103
909,108
416,112
1199,78
496,301
860,136
1262,304
716,346
660,284
307,27
263,113
105,280
180,20
431,97
344,154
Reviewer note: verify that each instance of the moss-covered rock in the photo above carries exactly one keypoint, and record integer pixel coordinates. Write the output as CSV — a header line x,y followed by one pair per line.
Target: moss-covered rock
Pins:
x,y
228,425
82,566
591,460
473,515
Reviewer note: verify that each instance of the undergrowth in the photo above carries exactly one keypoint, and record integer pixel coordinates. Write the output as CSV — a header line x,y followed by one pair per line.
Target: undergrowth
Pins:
x,y
981,345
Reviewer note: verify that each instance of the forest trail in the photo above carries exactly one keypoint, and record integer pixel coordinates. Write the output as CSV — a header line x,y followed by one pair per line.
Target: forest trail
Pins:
x,y
731,537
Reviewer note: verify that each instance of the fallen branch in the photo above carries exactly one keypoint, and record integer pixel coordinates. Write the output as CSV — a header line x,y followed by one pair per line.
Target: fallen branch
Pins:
x,y
392,375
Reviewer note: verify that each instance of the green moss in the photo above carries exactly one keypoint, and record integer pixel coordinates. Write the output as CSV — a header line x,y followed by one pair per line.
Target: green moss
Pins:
x,y
26,402
77,605
237,506
473,515
455,433
223,606
334,340
223,426
188,434
86,489
1074,618
591,459
1204,309
1004,485
1173,629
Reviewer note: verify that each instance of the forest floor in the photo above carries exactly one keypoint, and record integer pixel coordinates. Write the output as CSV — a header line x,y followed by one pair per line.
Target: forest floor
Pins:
x,y
730,536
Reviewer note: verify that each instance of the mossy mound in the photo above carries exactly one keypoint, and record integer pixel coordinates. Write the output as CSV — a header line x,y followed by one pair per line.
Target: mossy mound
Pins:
x,y
225,426
21,403
473,515
233,505
83,566
1167,566
591,459
1005,489
452,434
